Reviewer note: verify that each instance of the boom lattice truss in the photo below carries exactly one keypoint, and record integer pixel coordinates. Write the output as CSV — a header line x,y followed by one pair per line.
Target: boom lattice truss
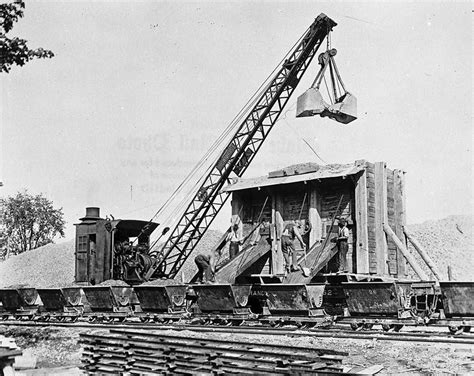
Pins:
x,y
239,153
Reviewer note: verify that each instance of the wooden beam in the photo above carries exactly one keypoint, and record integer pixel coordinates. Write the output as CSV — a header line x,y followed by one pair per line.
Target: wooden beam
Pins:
x,y
400,216
411,260
230,271
361,216
316,259
278,266
381,217
424,255
315,214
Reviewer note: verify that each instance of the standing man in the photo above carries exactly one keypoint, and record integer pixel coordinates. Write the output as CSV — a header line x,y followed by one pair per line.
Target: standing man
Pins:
x,y
290,232
235,239
343,236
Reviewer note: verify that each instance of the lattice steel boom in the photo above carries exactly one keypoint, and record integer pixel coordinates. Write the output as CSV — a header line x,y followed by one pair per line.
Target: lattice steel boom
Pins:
x,y
239,153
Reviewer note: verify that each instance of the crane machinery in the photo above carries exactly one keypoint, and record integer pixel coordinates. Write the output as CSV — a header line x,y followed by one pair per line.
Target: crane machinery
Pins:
x,y
239,153
115,254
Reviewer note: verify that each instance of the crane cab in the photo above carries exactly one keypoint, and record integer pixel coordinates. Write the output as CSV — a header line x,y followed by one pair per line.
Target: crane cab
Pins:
x,y
111,249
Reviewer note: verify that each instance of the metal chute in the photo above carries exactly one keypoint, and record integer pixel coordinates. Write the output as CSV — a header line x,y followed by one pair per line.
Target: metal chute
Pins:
x,y
342,105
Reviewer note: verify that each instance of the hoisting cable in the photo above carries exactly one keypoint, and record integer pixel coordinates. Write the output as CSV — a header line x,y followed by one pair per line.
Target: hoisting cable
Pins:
x,y
298,134
236,121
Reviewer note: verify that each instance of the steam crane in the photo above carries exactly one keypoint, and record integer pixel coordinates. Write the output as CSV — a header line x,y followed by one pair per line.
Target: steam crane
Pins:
x,y
239,153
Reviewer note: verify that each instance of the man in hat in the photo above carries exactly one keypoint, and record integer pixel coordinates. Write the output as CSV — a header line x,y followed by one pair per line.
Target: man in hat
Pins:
x,y
235,239
290,233
342,238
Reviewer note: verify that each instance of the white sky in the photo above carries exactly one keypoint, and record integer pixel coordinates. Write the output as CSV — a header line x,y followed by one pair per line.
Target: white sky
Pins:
x,y
137,92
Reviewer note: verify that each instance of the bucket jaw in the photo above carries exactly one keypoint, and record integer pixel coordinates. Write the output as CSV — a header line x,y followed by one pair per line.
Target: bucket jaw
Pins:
x,y
342,105
344,110
310,103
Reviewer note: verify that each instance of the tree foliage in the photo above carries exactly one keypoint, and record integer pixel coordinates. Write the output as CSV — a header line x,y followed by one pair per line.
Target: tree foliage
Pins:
x,y
28,222
15,50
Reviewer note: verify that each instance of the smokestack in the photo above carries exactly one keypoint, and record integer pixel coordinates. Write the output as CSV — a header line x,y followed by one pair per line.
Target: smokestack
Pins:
x,y
92,214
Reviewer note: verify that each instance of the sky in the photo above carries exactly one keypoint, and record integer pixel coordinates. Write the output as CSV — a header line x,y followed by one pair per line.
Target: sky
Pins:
x,y
137,93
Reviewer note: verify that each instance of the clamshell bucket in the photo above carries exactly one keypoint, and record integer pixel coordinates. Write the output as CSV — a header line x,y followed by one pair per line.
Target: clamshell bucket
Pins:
x,y
344,110
310,103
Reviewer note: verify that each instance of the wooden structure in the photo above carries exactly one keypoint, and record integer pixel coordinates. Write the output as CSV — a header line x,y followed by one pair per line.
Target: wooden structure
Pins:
x,y
369,196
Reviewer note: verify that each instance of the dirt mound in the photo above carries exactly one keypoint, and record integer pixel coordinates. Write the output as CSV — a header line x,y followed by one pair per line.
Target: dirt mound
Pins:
x,y
448,241
49,266
53,265
114,282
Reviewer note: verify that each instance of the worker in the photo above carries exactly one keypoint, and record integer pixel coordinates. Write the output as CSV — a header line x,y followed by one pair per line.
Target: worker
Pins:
x,y
235,239
342,238
203,263
290,232
206,264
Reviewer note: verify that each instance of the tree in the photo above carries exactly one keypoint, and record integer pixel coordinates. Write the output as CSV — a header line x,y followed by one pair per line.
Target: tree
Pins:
x,y
28,222
15,50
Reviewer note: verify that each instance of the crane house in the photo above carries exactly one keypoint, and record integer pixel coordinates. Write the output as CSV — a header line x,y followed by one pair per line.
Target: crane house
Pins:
x,y
367,195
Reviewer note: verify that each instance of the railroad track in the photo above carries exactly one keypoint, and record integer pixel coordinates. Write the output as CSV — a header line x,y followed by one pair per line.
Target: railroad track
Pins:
x,y
333,332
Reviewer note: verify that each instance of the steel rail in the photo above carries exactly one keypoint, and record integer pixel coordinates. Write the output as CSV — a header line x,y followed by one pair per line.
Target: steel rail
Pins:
x,y
331,333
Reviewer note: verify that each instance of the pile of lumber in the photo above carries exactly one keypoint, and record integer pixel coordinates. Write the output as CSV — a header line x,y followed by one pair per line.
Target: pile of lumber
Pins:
x,y
145,352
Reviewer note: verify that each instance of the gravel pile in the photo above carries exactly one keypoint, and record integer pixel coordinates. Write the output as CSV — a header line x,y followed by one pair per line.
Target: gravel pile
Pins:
x,y
448,241
114,282
53,265
49,266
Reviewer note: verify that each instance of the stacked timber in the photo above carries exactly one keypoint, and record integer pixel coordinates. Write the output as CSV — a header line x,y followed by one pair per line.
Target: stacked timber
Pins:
x,y
142,352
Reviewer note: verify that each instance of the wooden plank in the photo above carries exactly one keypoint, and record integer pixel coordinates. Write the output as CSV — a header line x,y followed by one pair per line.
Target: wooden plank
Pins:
x,y
411,260
372,370
316,259
424,255
392,248
361,216
278,264
230,271
400,217
381,217
315,215
370,184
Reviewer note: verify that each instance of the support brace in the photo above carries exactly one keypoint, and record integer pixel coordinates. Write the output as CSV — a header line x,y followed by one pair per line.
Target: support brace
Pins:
x,y
411,260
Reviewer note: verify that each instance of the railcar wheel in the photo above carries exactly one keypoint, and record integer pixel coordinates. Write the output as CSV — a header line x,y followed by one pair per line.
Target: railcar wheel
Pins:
x,y
92,319
397,327
453,329
387,327
355,326
368,326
